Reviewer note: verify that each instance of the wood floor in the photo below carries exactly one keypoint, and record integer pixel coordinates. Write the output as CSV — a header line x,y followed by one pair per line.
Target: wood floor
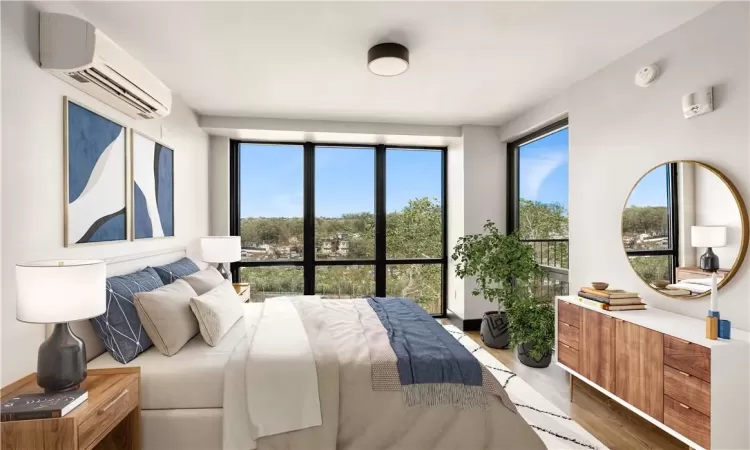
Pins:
x,y
611,423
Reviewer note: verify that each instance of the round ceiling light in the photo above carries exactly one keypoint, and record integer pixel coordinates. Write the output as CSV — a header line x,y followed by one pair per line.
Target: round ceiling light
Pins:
x,y
388,59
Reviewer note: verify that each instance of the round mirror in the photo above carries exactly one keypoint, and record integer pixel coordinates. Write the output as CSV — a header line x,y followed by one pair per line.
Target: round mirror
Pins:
x,y
682,221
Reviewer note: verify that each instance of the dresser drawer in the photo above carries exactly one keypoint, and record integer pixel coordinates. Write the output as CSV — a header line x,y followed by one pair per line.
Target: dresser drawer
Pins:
x,y
568,313
567,355
109,415
568,334
687,389
687,421
687,357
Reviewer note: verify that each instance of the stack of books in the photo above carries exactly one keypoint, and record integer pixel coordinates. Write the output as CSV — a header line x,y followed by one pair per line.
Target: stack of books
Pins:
x,y
612,299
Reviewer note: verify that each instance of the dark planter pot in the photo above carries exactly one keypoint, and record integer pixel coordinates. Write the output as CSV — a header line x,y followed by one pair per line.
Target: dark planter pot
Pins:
x,y
526,359
494,329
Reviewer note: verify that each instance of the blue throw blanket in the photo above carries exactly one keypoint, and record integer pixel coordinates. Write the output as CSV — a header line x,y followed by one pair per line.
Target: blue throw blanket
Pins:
x,y
426,352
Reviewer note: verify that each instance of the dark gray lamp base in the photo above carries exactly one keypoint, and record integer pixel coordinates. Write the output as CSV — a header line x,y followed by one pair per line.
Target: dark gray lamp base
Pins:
x,y
709,261
224,272
61,364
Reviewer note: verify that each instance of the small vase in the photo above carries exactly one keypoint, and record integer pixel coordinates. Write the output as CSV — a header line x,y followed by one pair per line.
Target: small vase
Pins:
x,y
526,359
494,329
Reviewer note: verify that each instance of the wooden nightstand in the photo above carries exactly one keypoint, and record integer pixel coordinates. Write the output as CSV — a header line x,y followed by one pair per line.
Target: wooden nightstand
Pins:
x,y
109,419
243,290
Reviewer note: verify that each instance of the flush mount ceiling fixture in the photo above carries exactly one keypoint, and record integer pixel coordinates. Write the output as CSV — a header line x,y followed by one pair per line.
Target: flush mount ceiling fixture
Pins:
x,y
388,59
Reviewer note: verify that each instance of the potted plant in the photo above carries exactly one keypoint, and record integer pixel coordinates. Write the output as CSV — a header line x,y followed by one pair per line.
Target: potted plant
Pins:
x,y
532,330
504,268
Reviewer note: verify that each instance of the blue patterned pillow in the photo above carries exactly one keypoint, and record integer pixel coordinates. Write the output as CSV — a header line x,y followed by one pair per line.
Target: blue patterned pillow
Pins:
x,y
119,327
176,270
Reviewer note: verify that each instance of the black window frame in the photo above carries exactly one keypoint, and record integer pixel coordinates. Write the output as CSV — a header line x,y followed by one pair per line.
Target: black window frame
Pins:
x,y
309,261
673,223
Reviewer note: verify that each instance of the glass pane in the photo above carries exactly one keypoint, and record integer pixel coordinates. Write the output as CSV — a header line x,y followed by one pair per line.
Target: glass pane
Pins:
x,y
414,221
344,203
419,282
272,281
543,187
645,219
271,194
345,281
652,268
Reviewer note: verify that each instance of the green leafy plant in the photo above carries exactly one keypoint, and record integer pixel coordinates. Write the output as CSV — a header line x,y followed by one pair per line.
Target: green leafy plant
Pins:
x,y
531,321
503,265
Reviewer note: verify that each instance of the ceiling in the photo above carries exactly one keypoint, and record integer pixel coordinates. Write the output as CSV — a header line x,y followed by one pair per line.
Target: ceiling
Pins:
x,y
471,63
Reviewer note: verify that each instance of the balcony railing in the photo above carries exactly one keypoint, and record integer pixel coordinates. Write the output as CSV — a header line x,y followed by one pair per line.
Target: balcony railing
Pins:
x,y
553,257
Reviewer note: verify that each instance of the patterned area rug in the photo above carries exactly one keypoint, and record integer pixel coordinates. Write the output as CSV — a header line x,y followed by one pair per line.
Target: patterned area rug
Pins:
x,y
557,430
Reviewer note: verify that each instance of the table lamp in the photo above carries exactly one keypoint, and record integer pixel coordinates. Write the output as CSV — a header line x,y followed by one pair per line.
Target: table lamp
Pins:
x,y
59,292
709,237
220,250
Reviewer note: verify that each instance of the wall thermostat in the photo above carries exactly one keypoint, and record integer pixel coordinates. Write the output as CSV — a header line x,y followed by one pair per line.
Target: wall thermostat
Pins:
x,y
697,103
646,75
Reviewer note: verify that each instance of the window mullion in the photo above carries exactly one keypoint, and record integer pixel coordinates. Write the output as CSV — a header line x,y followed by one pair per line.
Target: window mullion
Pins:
x,y
309,219
380,237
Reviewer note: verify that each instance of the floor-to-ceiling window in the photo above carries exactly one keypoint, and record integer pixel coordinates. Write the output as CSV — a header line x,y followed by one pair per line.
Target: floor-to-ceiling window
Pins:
x,y
341,221
538,201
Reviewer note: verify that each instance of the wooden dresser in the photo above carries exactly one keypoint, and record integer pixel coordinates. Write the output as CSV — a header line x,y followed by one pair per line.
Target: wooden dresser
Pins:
x,y
659,365
686,273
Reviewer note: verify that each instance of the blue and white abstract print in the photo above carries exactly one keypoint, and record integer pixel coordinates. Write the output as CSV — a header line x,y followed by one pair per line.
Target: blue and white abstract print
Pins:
x,y
153,188
96,206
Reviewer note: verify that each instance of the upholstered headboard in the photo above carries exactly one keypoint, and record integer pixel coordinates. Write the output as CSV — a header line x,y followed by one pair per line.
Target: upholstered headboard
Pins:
x,y
121,265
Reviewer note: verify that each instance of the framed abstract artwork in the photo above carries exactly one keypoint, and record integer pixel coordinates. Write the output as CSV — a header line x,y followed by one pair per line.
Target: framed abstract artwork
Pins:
x,y
153,188
95,177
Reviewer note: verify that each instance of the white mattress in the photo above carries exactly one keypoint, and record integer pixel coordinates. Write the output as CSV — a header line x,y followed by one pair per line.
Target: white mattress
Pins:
x,y
193,378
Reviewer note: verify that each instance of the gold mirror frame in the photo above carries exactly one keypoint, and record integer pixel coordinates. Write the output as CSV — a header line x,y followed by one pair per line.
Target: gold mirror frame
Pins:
x,y
743,218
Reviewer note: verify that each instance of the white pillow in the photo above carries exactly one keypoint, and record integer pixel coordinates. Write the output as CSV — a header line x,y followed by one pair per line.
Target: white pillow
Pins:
x,y
216,310
205,280
166,316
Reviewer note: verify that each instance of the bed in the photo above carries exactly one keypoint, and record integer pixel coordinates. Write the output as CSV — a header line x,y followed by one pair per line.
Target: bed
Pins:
x,y
193,399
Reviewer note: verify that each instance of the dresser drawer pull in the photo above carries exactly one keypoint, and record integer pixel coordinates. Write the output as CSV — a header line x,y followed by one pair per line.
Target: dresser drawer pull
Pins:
x,y
684,406
109,405
566,346
567,325
683,373
681,340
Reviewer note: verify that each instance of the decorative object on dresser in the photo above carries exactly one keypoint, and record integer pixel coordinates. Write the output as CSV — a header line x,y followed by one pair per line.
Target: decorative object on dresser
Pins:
x,y
674,207
495,258
58,292
152,188
612,299
110,416
95,184
220,250
659,365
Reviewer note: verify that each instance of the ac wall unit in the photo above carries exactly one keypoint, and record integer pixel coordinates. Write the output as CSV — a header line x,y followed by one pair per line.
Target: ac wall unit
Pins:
x,y
77,52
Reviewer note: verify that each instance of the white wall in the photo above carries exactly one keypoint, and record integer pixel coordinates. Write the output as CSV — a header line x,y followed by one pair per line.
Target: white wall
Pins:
x,y
619,131
32,176
218,179
484,197
455,194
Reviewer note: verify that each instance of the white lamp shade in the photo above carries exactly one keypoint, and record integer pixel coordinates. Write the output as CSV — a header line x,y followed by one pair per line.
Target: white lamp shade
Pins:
x,y
60,291
221,249
708,236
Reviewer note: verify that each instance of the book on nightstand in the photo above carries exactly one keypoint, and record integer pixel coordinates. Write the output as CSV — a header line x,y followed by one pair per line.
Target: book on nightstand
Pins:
x,y
41,406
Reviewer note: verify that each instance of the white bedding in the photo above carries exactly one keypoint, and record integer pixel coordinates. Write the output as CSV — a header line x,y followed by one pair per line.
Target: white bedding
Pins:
x,y
193,378
271,381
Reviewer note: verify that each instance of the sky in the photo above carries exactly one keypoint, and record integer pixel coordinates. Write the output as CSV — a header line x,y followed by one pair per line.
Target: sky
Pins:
x,y
651,189
543,169
272,179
